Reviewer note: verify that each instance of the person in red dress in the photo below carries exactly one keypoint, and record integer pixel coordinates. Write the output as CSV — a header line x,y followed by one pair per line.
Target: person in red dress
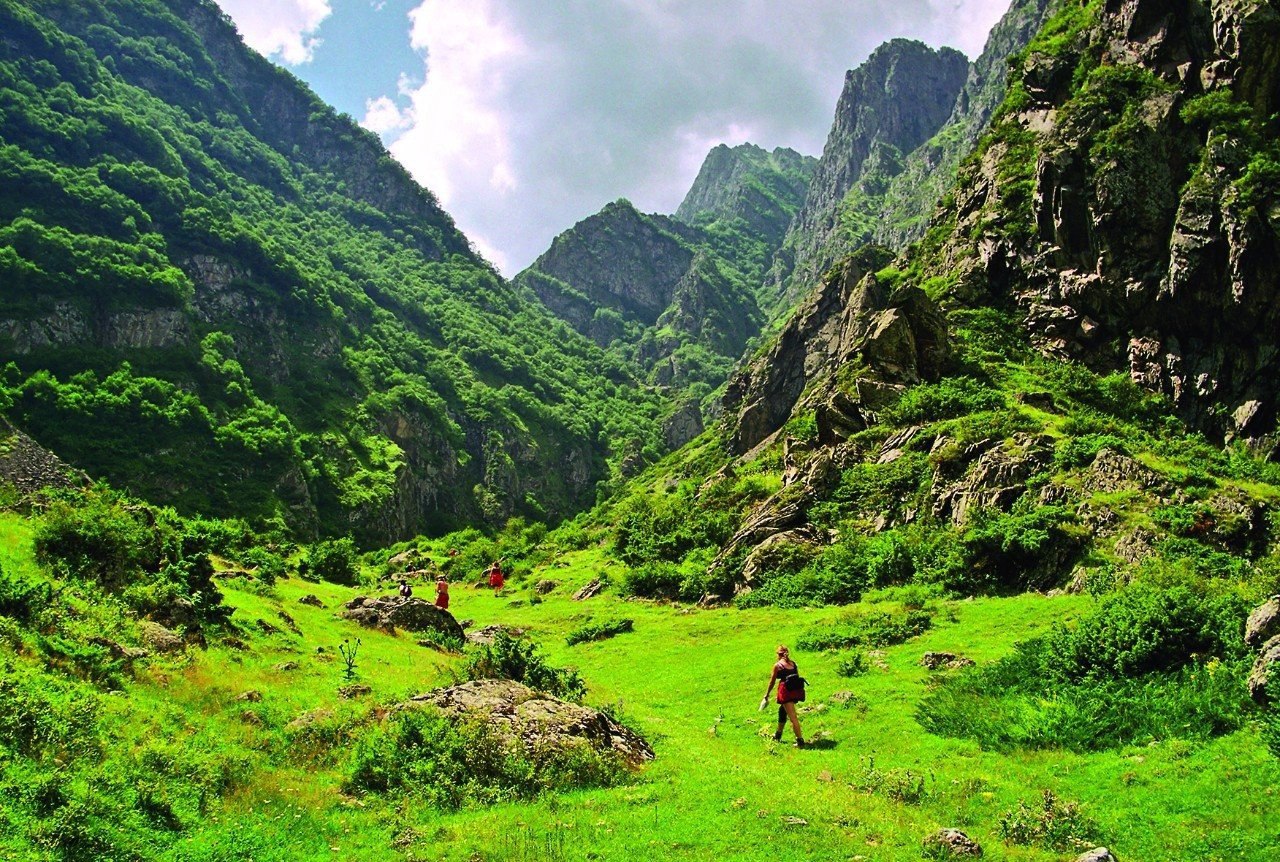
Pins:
x,y
496,578
790,692
442,594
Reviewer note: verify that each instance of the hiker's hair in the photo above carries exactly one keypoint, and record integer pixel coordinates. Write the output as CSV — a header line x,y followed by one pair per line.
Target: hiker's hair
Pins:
x,y
783,651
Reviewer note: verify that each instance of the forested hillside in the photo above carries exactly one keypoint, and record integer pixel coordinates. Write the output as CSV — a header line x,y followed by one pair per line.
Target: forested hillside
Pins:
x,y
218,293
1010,497
679,295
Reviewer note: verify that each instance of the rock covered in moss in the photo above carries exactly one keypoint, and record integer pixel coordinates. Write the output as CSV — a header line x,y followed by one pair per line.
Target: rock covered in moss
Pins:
x,y
536,721
392,612
951,844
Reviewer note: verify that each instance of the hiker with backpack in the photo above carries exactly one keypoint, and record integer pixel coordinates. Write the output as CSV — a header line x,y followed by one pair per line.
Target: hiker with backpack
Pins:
x,y
790,692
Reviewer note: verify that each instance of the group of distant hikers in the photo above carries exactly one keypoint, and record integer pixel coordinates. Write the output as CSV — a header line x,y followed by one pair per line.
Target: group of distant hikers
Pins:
x,y
786,675
497,579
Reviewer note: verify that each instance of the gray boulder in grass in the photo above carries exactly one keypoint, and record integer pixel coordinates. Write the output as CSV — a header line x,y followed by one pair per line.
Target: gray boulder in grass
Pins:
x,y
1264,623
534,721
1097,854
951,844
392,612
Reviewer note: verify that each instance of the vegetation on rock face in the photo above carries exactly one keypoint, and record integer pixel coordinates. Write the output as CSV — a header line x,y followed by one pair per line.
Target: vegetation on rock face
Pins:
x,y
223,296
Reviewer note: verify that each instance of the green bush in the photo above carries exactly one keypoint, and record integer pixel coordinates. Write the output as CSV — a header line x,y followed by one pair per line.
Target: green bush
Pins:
x,y
422,754
1148,664
522,661
267,566
947,399
21,599
854,664
334,560
653,580
599,631
1002,553
1049,823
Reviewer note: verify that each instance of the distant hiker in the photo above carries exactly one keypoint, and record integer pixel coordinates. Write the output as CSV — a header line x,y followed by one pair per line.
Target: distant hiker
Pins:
x,y
406,591
442,594
496,578
790,692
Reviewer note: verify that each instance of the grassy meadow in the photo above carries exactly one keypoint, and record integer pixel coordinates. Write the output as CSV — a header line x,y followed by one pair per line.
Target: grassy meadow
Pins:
x,y
871,786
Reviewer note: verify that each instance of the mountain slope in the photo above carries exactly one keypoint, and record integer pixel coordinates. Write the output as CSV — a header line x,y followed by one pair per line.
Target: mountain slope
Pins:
x,y
677,294
890,104
222,295
892,202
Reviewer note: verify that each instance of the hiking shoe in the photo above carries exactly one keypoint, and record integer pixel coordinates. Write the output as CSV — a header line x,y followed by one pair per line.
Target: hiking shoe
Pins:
x,y
799,743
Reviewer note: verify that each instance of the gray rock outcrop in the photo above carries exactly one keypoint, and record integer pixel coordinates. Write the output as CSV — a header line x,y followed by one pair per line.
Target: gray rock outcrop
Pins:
x,y
392,612
1263,623
535,721
951,844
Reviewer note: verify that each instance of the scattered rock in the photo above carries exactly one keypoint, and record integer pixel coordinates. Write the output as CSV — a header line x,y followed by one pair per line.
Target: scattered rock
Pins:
x,y
466,624
543,587
486,634
268,628
951,844
535,721
353,691
250,696
788,820
120,651
1097,854
413,614
286,666
1112,471
947,660
309,718
1268,659
235,644
251,717
589,590
310,599
159,638
289,621
1264,623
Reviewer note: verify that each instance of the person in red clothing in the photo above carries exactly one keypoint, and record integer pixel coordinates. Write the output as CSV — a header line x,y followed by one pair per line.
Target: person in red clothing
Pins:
x,y
496,578
442,594
790,692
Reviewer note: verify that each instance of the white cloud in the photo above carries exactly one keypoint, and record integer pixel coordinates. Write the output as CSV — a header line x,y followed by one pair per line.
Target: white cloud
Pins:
x,y
460,137
383,116
528,116
281,29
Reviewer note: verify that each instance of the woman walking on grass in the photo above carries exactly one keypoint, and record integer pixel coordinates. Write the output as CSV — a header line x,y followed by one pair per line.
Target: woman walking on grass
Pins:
x,y
790,692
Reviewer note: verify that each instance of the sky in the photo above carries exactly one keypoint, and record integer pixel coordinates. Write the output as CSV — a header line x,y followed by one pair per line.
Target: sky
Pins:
x,y
526,116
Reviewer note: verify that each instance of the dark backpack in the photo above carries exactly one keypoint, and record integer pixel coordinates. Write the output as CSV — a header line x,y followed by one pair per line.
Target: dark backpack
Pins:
x,y
794,684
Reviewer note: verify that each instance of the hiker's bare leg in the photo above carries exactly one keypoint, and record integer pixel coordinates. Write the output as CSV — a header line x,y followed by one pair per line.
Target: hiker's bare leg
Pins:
x,y
795,720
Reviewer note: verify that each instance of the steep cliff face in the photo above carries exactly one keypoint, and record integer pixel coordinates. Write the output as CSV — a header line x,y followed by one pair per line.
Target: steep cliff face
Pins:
x,y
678,293
891,104
746,184
1128,203
222,295
892,201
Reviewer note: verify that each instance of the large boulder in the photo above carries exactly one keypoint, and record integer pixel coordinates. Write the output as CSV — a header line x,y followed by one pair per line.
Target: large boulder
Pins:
x,y
392,612
535,721
1264,623
1266,663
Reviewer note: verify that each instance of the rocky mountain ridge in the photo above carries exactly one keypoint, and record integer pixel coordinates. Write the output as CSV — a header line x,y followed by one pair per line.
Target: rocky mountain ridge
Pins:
x,y
891,104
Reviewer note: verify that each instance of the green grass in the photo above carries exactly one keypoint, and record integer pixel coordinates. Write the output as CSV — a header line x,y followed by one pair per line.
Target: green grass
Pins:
x,y
690,679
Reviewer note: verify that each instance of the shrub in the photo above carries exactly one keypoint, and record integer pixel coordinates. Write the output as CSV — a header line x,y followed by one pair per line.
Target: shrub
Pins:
x,y
654,580
268,566
946,399
1003,553
522,661
599,631
421,753
334,560
1050,823
21,599
1148,664
854,664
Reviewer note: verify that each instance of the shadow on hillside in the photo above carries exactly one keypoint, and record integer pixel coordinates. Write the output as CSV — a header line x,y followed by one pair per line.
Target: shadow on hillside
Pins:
x,y
821,744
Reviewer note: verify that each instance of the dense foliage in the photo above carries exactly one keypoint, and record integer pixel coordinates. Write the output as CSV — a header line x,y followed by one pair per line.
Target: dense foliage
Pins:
x,y
221,295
